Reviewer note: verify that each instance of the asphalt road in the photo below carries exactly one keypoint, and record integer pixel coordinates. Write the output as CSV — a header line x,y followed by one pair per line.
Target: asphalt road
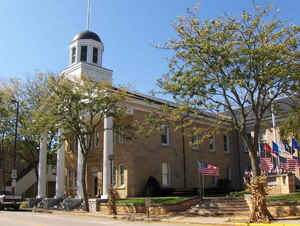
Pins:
x,y
22,218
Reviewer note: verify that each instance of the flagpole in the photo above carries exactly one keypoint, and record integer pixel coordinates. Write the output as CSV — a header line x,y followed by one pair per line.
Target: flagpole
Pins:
x,y
88,15
275,134
200,189
203,185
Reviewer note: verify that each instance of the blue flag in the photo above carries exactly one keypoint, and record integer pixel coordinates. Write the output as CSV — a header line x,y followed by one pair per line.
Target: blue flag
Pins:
x,y
295,144
275,148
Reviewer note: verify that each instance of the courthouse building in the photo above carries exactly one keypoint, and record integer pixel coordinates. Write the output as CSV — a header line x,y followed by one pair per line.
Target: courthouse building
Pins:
x,y
127,164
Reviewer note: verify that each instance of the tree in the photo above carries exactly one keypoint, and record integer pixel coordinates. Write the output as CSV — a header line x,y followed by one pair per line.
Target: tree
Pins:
x,y
236,69
29,94
78,107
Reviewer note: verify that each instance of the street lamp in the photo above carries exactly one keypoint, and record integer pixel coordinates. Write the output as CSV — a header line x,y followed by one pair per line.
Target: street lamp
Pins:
x,y
14,170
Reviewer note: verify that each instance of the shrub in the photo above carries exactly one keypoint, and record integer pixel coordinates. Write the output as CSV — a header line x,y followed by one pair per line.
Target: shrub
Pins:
x,y
152,187
224,185
166,191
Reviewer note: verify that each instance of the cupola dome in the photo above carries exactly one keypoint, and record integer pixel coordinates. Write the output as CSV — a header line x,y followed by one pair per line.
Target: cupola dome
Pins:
x,y
87,35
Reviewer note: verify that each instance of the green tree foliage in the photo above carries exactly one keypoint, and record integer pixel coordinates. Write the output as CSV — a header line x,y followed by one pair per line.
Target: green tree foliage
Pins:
x,y
78,106
234,68
29,94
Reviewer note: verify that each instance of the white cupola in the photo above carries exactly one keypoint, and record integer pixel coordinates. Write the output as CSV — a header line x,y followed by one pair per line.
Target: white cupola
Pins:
x,y
85,53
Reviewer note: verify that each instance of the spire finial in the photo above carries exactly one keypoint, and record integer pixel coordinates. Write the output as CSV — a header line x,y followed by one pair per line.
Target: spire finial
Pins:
x,y
88,15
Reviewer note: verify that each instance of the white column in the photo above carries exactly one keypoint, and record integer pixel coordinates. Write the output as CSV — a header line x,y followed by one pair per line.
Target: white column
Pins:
x,y
79,172
60,169
107,150
42,183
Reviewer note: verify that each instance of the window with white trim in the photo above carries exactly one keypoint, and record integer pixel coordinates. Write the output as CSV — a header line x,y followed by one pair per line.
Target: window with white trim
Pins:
x,y
212,144
73,54
164,136
121,175
83,53
195,142
95,55
166,174
226,143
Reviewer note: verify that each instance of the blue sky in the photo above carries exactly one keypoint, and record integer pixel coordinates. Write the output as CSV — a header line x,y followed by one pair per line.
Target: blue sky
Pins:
x,y
35,34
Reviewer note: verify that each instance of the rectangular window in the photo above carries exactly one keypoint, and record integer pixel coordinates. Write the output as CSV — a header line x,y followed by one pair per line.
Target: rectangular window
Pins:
x,y
97,139
164,136
227,143
73,54
215,180
195,142
229,173
114,176
212,144
121,175
83,54
95,55
166,174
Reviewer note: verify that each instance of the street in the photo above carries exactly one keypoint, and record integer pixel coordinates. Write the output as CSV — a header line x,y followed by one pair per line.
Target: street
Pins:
x,y
28,218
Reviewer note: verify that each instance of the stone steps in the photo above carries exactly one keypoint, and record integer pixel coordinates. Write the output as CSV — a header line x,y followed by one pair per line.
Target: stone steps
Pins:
x,y
220,207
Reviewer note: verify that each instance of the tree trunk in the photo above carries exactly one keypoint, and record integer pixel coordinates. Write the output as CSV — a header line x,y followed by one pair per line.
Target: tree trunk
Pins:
x,y
257,186
83,182
259,210
184,157
254,163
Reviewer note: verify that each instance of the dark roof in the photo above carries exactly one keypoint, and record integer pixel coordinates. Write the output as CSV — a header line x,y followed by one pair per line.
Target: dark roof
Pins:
x,y
87,35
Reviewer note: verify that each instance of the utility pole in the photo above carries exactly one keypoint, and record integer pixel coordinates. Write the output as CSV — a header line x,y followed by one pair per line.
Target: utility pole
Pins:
x,y
14,170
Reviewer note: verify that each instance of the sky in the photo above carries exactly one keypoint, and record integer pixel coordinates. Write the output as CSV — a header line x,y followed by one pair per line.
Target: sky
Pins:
x,y
35,34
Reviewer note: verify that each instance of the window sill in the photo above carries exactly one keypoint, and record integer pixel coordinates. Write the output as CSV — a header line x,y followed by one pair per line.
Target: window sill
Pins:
x,y
165,145
122,187
212,151
195,149
227,152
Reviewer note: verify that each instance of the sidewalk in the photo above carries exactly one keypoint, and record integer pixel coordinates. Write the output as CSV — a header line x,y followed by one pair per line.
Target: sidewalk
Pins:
x,y
179,219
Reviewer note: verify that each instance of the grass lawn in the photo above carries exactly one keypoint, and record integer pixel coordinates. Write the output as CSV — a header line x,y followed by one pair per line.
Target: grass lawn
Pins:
x,y
295,197
154,200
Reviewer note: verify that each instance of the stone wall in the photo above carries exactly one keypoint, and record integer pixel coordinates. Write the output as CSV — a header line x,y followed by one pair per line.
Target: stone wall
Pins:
x,y
284,209
155,209
279,209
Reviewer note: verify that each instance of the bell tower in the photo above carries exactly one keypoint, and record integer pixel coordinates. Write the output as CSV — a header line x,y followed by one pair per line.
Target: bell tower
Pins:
x,y
85,56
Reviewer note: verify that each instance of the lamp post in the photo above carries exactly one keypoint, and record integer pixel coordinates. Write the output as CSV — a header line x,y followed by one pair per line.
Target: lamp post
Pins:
x,y
14,170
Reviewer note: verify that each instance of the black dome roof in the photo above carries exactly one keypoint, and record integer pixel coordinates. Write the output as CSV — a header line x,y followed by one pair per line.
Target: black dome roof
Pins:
x,y
87,35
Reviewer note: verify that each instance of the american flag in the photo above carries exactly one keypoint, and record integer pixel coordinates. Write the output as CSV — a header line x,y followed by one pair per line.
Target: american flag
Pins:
x,y
292,164
266,164
207,169
283,163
